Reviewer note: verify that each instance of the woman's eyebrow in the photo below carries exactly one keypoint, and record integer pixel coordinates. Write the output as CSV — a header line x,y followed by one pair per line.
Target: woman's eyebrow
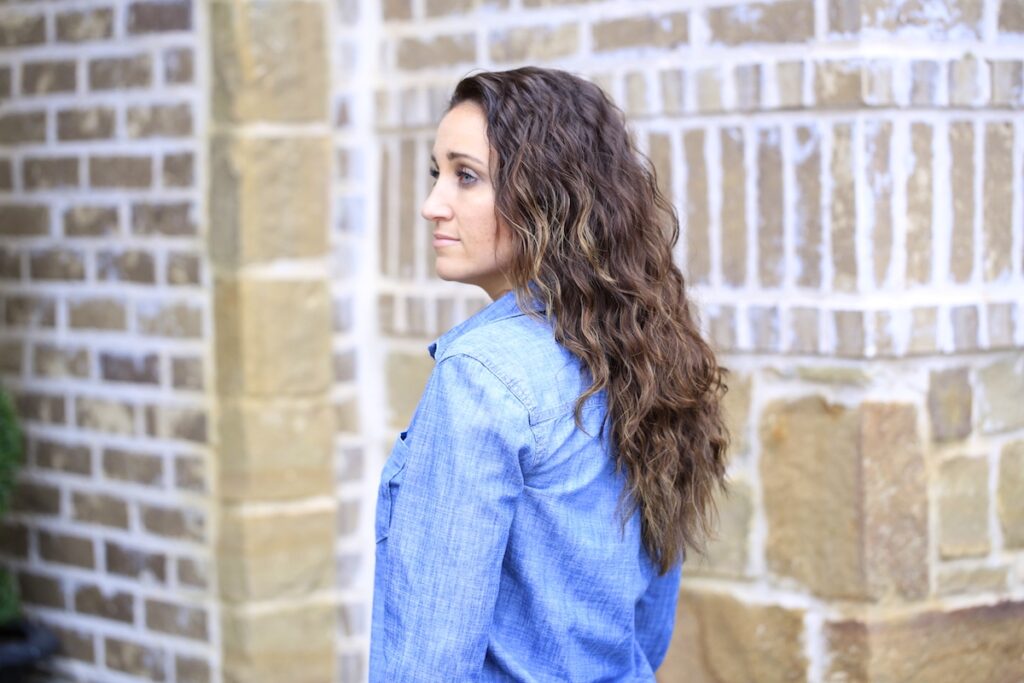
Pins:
x,y
451,156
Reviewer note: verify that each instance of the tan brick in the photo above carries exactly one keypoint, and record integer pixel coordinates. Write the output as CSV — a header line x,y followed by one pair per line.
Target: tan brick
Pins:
x,y
90,221
6,89
1007,86
66,549
843,211
183,269
55,361
747,86
140,468
74,644
190,474
697,223
1011,17
38,78
949,404
95,508
983,643
21,128
997,203
283,79
187,423
406,375
135,368
764,327
36,498
664,31
1010,494
963,507
293,643
134,659
733,210
178,170
126,266
789,21
117,606
961,143
164,218
964,321
838,84
879,178
12,352
534,43
22,29
53,455
159,17
42,173
275,557
769,207
37,589
34,312
923,325
187,373
192,573
971,580
121,73
24,220
173,523
965,80
56,264
721,639
178,620
396,10
877,83
844,17
14,540
804,330
137,564
789,80
179,65
709,89
1000,325
97,314
919,205
808,207
174,320
159,120
451,50
945,19
40,407
120,171
85,26
268,201
1000,386
6,174
727,554
845,497
849,326
660,154
105,415
191,670
440,8
924,78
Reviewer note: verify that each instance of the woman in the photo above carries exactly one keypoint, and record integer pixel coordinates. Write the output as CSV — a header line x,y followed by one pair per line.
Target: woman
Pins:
x,y
532,520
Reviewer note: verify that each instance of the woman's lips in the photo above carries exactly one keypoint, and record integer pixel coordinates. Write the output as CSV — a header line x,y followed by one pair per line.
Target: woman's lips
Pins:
x,y
443,240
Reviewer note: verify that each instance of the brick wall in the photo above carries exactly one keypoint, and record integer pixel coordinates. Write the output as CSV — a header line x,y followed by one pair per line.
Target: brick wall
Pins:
x,y
184,186
104,335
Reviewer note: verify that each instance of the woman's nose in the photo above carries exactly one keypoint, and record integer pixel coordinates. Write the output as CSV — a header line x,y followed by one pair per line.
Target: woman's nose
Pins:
x,y
436,207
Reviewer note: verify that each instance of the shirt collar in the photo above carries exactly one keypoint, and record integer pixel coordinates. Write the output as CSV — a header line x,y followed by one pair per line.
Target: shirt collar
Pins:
x,y
503,307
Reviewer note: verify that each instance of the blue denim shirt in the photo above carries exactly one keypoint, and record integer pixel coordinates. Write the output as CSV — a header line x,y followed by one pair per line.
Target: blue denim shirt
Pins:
x,y
500,549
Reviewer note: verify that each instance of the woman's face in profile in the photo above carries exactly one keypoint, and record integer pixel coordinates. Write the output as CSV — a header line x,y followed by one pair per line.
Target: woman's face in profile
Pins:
x,y
469,245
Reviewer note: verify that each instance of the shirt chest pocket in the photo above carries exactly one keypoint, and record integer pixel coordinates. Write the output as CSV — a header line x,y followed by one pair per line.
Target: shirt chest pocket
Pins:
x,y
390,481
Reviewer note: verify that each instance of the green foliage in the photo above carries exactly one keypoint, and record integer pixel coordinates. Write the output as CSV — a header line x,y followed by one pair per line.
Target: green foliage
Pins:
x,y
10,460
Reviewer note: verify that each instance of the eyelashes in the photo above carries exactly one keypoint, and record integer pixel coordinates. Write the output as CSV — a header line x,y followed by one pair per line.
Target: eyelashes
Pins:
x,y
465,176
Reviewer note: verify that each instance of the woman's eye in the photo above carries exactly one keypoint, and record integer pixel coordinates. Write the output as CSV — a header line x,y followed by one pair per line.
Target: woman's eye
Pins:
x,y
466,178
434,173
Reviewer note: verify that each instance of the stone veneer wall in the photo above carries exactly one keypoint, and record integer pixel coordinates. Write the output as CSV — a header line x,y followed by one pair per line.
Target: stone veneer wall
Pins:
x,y
850,177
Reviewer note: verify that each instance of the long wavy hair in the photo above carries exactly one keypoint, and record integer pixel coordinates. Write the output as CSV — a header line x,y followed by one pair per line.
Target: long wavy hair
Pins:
x,y
592,237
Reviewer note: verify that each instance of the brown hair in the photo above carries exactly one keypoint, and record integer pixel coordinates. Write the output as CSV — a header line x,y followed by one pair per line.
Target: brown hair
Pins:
x,y
592,238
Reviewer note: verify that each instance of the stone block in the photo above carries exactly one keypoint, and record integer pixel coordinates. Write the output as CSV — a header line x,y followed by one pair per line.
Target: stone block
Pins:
x,y
728,551
66,549
949,404
983,643
159,121
183,269
997,202
698,220
733,210
963,507
275,556
172,320
74,644
121,73
41,590
105,415
21,128
1010,494
275,448
97,314
179,65
662,31
1000,388
191,670
173,219
919,205
809,230
141,661
293,643
138,468
56,264
128,172
184,524
17,29
99,508
36,498
186,621
44,173
135,368
971,580
845,498
55,362
159,17
789,21
720,639
130,265
178,170
771,259
269,198
144,566
113,605
269,62
62,457
406,376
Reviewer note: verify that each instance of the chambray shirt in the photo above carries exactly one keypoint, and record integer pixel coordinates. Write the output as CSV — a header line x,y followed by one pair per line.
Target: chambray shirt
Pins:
x,y
500,550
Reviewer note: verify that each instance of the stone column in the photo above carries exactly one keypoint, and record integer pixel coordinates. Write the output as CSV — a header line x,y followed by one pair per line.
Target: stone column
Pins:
x,y
269,165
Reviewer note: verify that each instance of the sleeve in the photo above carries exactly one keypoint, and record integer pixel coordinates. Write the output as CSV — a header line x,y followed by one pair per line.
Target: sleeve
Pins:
x,y
655,615
449,526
